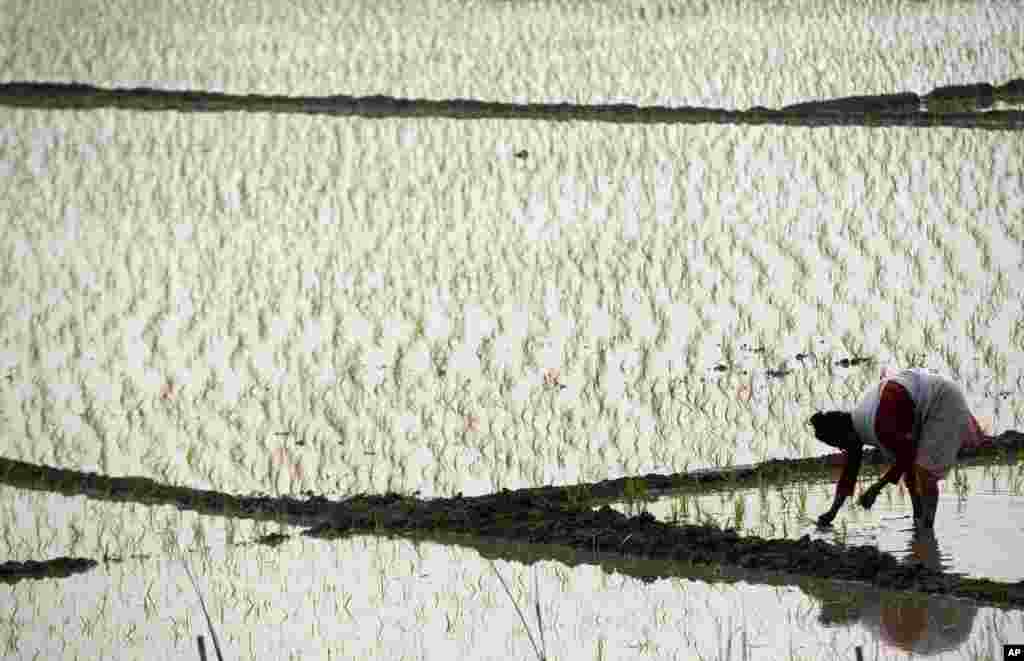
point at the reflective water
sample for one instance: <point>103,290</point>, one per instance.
<point>280,303</point>
<point>979,523</point>
<point>367,597</point>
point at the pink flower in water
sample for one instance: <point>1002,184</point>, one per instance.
<point>281,457</point>
<point>745,392</point>
<point>551,376</point>
<point>472,423</point>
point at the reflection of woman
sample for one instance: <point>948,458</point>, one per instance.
<point>924,625</point>
<point>925,549</point>
<point>919,420</point>
<point>920,624</point>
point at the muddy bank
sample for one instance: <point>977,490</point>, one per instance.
<point>944,106</point>
<point>12,572</point>
<point>564,517</point>
<point>522,516</point>
<point>315,509</point>
<point>775,472</point>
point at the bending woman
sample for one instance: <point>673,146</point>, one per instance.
<point>919,420</point>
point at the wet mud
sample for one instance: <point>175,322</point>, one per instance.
<point>944,106</point>
<point>570,517</point>
<point>545,517</point>
<point>12,572</point>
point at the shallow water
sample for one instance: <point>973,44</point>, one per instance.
<point>979,524</point>
<point>281,304</point>
<point>979,536</point>
<point>370,597</point>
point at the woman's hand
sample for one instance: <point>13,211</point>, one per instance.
<point>867,499</point>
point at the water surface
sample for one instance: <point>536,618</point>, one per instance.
<point>286,304</point>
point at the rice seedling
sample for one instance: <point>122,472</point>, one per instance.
<point>801,502</point>
<point>206,614</point>
<point>1016,482</point>
<point>960,483</point>
<point>578,495</point>
<point>541,651</point>
<point>842,534</point>
<point>739,512</point>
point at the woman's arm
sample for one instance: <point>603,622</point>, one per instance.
<point>847,481</point>
<point>894,425</point>
<point>904,467</point>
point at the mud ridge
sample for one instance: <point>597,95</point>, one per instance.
<point>774,471</point>
<point>13,572</point>
<point>565,516</point>
<point>944,106</point>
<point>520,516</point>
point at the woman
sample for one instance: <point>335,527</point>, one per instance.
<point>919,420</point>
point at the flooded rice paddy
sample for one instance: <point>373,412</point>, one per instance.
<point>846,594</point>
<point>373,597</point>
<point>979,527</point>
<point>418,388</point>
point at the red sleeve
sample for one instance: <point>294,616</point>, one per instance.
<point>894,427</point>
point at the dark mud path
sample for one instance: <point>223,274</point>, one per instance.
<point>518,517</point>
<point>952,105</point>
<point>556,517</point>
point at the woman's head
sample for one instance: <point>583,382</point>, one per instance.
<point>833,428</point>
